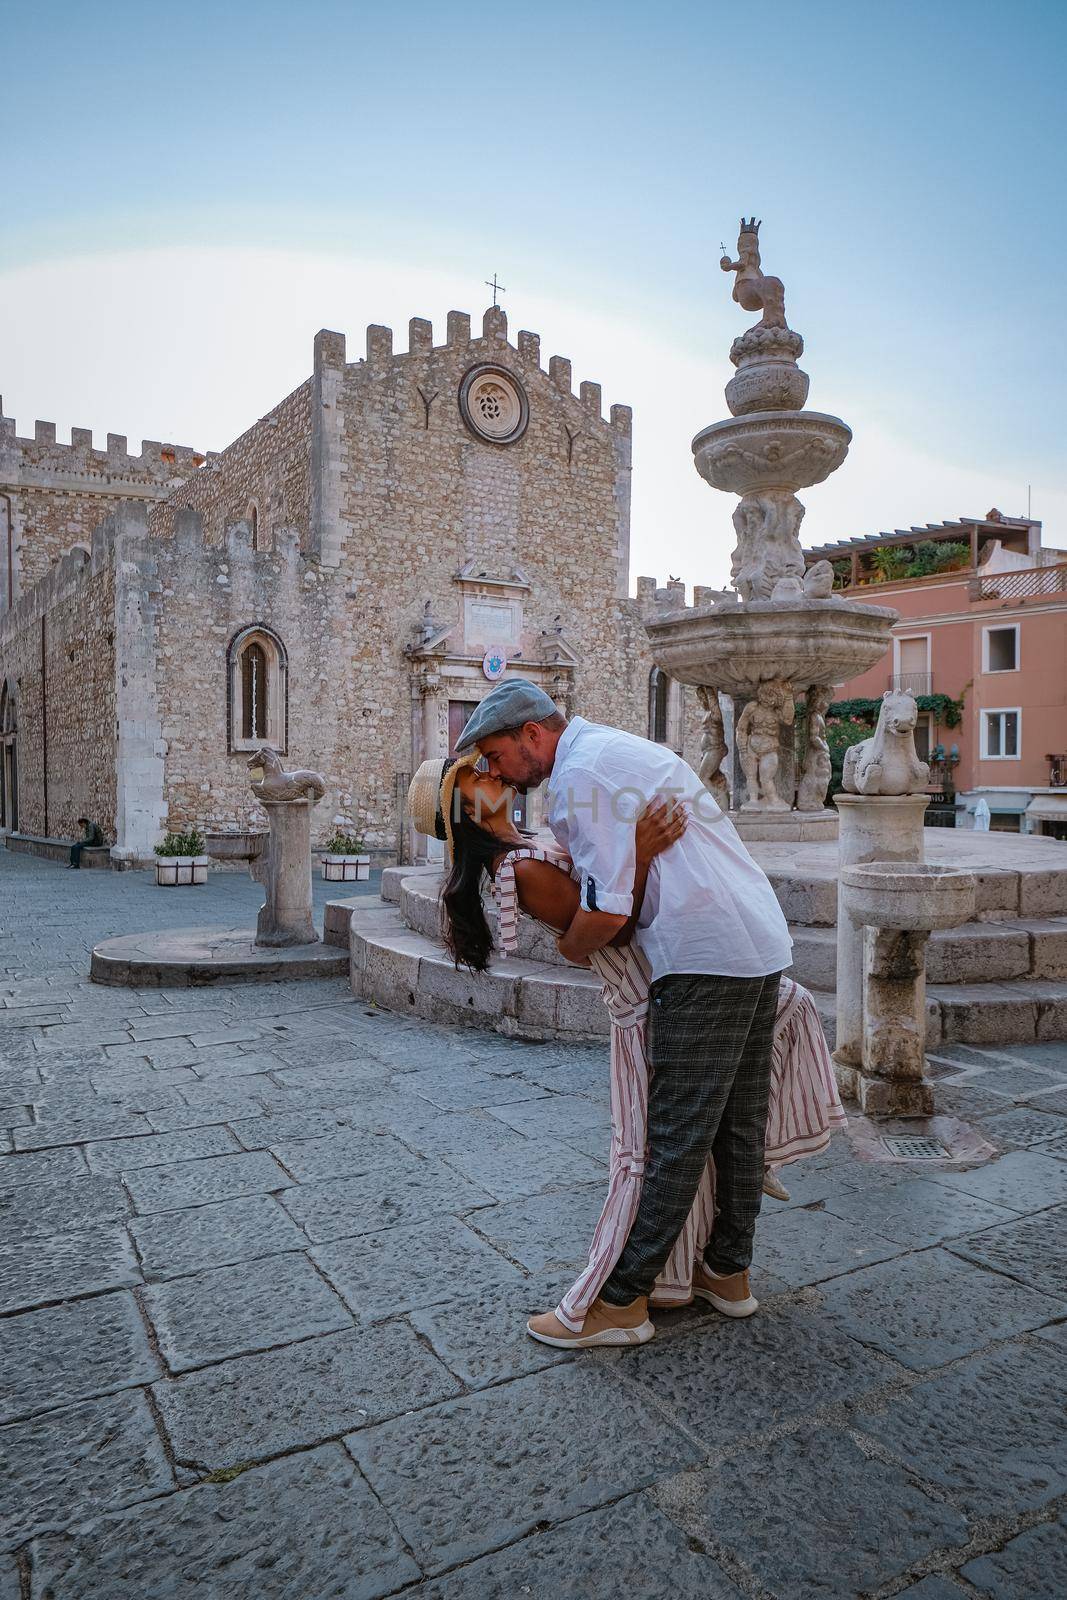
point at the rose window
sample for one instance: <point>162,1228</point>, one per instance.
<point>493,404</point>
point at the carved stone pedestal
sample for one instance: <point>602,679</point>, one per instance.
<point>284,870</point>
<point>888,909</point>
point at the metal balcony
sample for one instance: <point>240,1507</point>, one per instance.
<point>915,683</point>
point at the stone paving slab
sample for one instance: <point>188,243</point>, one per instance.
<point>1033,1565</point>
<point>392,1197</point>
<point>346,1154</point>
<point>116,1125</point>
<point>264,1131</point>
<point>547,1232</point>
<point>71,1352</point>
<point>78,1460</point>
<point>43,1166</point>
<point>115,1156</point>
<point>32,1210</point>
<point>790,1355</point>
<point>35,1272</point>
<point>1016,1461</point>
<point>1022,1181</point>
<point>173,1243</point>
<point>457,1090</point>
<point>472,1474</point>
<point>230,1311</point>
<point>197,1183</point>
<point>556,1116</point>
<point>481,1335</point>
<point>811,1514</point>
<point>525,1166</point>
<point>266,1405</point>
<point>1031,1249</point>
<point>401,1269</point>
<point>935,1588</point>
<point>630,1546</point>
<point>930,1308</point>
<point>807,1246</point>
<point>917,1212</point>
<point>1024,1125</point>
<point>243,1540</point>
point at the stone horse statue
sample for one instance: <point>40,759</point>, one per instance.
<point>277,784</point>
<point>887,762</point>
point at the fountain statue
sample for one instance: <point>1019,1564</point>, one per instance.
<point>781,635</point>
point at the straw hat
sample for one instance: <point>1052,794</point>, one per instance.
<point>430,795</point>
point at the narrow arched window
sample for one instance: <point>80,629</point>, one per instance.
<point>254,691</point>
<point>258,690</point>
<point>658,689</point>
<point>253,523</point>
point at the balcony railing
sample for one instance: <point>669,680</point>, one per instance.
<point>1021,585</point>
<point>912,682</point>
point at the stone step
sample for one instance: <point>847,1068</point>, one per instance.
<point>978,952</point>
<point>407,972</point>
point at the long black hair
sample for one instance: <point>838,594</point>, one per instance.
<point>463,923</point>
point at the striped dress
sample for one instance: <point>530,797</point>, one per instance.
<point>804,1104</point>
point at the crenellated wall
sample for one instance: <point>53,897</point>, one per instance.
<point>53,495</point>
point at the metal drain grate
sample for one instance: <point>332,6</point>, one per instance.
<point>913,1147</point>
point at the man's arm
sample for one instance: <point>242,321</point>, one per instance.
<point>589,931</point>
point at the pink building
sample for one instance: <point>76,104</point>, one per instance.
<point>983,620</point>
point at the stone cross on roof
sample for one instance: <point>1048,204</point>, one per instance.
<point>497,288</point>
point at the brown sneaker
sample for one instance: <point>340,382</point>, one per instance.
<point>728,1292</point>
<point>603,1324</point>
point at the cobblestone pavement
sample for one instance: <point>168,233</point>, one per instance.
<point>265,1258</point>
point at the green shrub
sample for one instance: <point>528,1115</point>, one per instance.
<point>344,844</point>
<point>181,844</point>
<point>841,736</point>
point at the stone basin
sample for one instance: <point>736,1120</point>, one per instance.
<point>910,896</point>
<point>736,647</point>
<point>771,450</point>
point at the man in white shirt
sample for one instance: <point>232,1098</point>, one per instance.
<point>717,942</point>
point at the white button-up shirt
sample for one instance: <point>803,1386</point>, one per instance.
<point>708,907</point>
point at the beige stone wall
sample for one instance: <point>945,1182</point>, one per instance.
<point>57,648</point>
<point>267,468</point>
<point>53,495</point>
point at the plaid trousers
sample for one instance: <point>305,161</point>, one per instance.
<point>709,1047</point>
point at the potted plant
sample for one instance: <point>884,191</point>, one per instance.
<point>344,860</point>
<point>180,860</point>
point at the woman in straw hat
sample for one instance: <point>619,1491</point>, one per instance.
<point>471,812</point>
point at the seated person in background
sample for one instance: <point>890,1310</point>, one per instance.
<point>91,835</point>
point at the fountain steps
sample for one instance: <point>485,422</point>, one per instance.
<point>406,970</point>
<point>977,952</point>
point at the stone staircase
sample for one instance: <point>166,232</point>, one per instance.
<point>1000,979</point>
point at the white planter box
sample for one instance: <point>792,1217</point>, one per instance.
<point>175,872</point>
<point>346,869</point>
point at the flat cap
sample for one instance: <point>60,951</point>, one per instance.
<point>509,705</point>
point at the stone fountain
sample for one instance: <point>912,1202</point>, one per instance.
<point>780,634</point>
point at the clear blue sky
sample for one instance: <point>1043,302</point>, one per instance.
<point>907,160</point>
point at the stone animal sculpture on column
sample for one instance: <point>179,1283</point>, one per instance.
<point>277,784</point>
<point>757,734</point>
<point>753,290</point>
<point>815,777</point>
<point>887,762</point>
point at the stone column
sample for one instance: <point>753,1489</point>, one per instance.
<point>284,870</point>
<point>894,1024</point>
<point>873,828</point>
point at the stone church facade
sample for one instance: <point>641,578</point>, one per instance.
<point>343,582</point>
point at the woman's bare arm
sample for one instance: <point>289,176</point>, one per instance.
<point>547,893</point>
